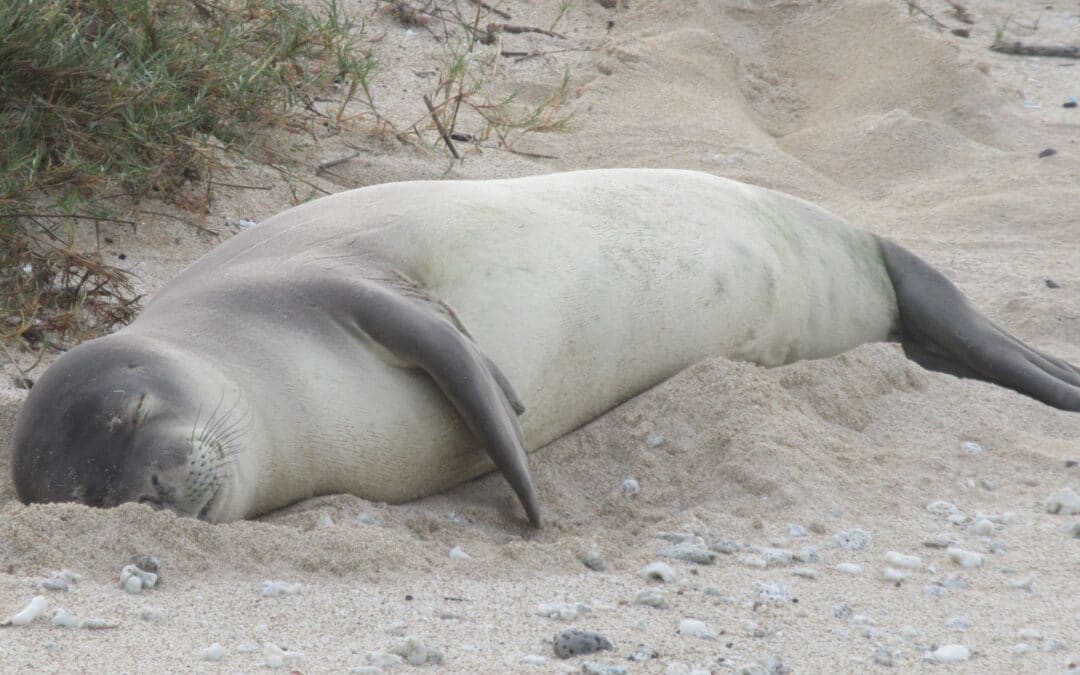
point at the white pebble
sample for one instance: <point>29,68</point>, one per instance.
<point>1064,502</point>
<point>909,633</point>
<point>134,579</point>
<point>957,519</point>
<point>910,562</point>
<point>652,597</point>
<point>960,623</point>
<point>247,648</point>
<point>696,628</point>
<point>630,488</point>
<point>561,610</point>
<point>849,568</point>
<point>964,558</point>
<point>32,611</point>
<point>658,571</point>
<point>941,540</point>
<point>1054,645</point>
<point>808,554</point>
<point>62,619</point>
<point>533,660</point>
<point>971,448</point>
<point>151,613</point>
<point>1020,649</point>
<point>654,440</point>
<point>1030,634</point>
<point>417,651</point>
<point>1024,583</point>
<point>943,509</point>
<point>214,652</point>
<point>61,581</point>
<point>777,556</point>
<point>949,654</point>
<point>863,620</point>
<point>458,553</point>
<point>277,589</point>
<point>796,530</point>
<point>894,575</point>
<point>804,572</point>
<point>771,592</point>
<point>981,527</point>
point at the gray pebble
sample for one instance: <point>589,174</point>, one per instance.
<point>654,441</point>
<point>652,597</point>
<point>577,642</point>
<point>796,530</point>
<point>658,571</point>
<point>1064,502</point>
<point>690,552</point>
<point>842,611</point>
<point>883,656</point>
<point>1074,530</point>
<point>725,546</point>
<point>642,654</point>
<point>594,561</point>
<point>147,563</point>
<point>853,540</point>
<point>960,623</point>
<point>631,488</point>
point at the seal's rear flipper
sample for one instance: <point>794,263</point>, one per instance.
<point>943,331</point>
<point>415,332</point>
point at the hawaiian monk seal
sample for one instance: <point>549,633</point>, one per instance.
<point>374,341</point>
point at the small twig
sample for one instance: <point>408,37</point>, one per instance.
<point>439,126</point>
<point>494,29</point>
<point>207,230</point>
<point>69,215</point>
<point>493,10</point>
<point>242,187</point>
<point>911,5</point>
<point>1022,49</point>
<point>331,163</point>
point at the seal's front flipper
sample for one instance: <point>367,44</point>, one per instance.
<point>949,334</point>
<point>411,329</point>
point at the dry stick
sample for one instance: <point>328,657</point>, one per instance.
<point>493,10</point>
<point>330,163</point>
<point>243,187</point>
<point>69,215</point>
<point>911,4</point>
<point>207,230</point>
<point>1021,49</point>
<point>493,28</point>
<point>439,126</point>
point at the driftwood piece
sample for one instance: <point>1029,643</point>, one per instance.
<point>1025,49</point>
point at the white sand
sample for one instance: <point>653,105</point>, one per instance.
<point>909,131</point>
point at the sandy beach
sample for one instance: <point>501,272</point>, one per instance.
<point>771,478</point>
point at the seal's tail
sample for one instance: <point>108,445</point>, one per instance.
<point>943,331</point>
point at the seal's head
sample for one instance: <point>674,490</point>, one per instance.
<point>120,420</point>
